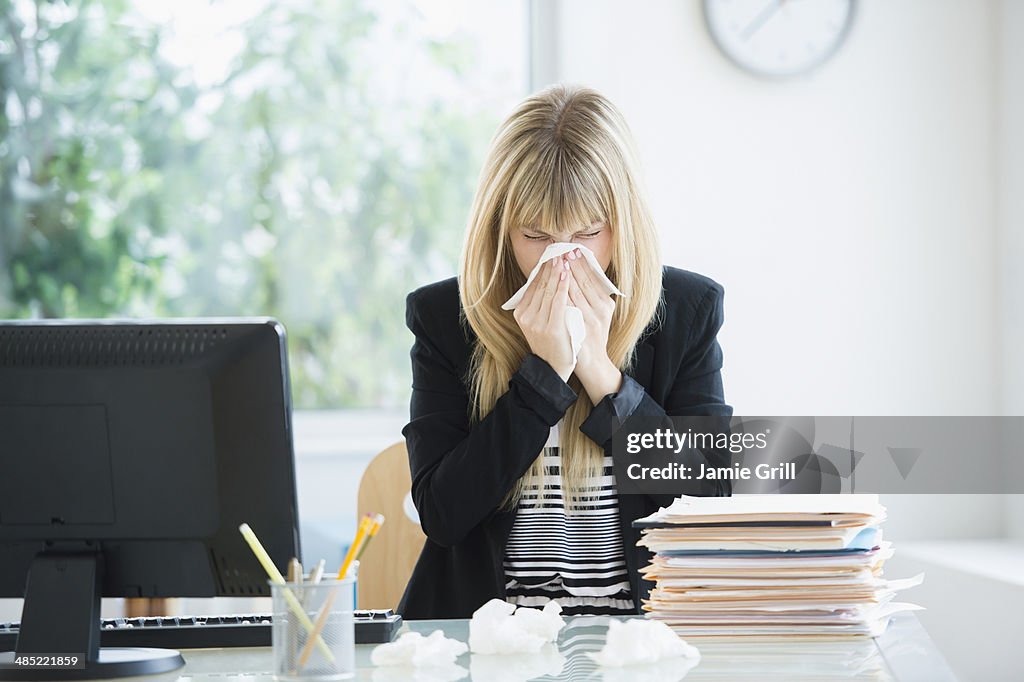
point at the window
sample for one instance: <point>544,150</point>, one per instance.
<point>311,160</point>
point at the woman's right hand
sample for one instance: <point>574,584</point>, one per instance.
<point>541,316</point>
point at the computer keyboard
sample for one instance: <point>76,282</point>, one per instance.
<point>203,632</point>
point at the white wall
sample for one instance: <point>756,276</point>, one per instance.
<point>1010,202</point>
<point>849,214</point>
<point>1014,516</point>
<point>1010,222</point>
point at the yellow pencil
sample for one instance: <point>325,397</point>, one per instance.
<point>276,577</point>
<point>378,521</point>
<point>364,526</point>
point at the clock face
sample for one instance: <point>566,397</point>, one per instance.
<point>778,37</point>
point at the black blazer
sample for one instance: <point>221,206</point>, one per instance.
<point>460,475</point>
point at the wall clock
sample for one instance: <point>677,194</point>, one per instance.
<point>779,38</point>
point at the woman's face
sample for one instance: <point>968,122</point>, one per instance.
<point>528,243</point>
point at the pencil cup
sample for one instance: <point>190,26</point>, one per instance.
<point>303,609</point>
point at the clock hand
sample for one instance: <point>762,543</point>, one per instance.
<point>761,19</point>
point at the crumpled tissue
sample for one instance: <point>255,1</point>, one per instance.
<point>639,641</point>
<point>413,649</point>
<point>573,316</point>
<point>498,627</point>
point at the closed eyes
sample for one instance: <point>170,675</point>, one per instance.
<point>589,235</point>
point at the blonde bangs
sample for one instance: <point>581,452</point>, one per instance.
<point>558,192</point>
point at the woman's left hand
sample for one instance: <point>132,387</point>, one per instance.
<point>596,371</point>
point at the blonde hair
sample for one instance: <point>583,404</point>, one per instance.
<point>564,158</point>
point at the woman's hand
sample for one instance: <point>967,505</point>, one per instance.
<point>596,371</point>
<point>541,316</point>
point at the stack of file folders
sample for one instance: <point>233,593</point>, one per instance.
<point>768,567</point>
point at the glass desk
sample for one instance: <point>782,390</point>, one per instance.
<point>903,653</point>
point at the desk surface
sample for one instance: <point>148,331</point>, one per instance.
<point>903,653</point>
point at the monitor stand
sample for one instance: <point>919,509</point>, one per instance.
<point>60,621</point>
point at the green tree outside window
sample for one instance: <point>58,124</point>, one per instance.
<point>322,175</point>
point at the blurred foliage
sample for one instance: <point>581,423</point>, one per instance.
<point>303,183</point>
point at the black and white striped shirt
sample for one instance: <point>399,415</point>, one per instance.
<point>575,558</point>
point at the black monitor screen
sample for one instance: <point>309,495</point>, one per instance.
<point>153,441</point>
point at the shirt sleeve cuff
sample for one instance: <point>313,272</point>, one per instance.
<point>543,387</point>
<point>607,416</point>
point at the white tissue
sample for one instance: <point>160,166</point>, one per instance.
<point>498,627</point>
<point>573,316</point>
<point>413,649</point>
<point>638,641</point>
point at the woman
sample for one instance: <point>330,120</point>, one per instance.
<point>513,508</point>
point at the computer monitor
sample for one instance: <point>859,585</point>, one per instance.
<point>130,453</point>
